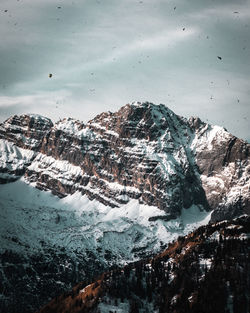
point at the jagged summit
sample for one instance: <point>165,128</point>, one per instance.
<point>127,183</point>
<point>143,151</point>
<point>26,130</point>
<point>138,120</point>
<point>28,120</point>
<point>137,111</point>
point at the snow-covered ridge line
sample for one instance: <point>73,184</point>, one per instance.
<point>14,158</point>
<point>207,135</point>
<point>74,128</point>
<point>166,160</point>
<point>49,165</point>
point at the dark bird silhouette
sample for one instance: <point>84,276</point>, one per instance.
<point>183,28</point>
<point>50,75</point>
<point>220,58</point>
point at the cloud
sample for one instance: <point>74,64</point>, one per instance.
<point>103,54</point>
<point>227,11</point>
<point>43,104</point>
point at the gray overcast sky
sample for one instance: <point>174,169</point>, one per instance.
<point>106,53</point>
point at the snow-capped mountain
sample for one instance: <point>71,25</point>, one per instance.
<point>143,151</point>
<point>126,184</point>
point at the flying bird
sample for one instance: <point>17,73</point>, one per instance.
<point>220,58</point>
<point>50,75</point>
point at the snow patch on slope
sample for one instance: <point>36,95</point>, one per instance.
<point>29,217</point>
<point>194,217</point>
<point>56,169</point>
<point>122,307</point>
<point>75,128</point>
<point>207,135</point>
<point>12,157</point>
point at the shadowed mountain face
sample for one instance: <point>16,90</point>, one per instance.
<point>126,184</point>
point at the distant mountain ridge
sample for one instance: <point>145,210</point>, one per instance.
<point>143,151</point>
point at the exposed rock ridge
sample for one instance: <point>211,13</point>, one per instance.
<point>26,131</point>
<point>20,139</point>
<point>143,151</point>
<point>223,162</point>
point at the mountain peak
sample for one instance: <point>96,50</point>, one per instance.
<point>143,151</point>
<point>141,120</point>
<point>151,173</point>
<point>29,120</point>
<point>26,130</point>
<point>156,111</point>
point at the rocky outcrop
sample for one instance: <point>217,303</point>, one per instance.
<point>26,131</point>
<point>223,162</point>
<point>20,137</point>
<point>143,151</point>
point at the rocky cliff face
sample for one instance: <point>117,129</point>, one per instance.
<point>143,152</point>
<point>21,137</point>
<point>223,162</point>
<point>152,175</point>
